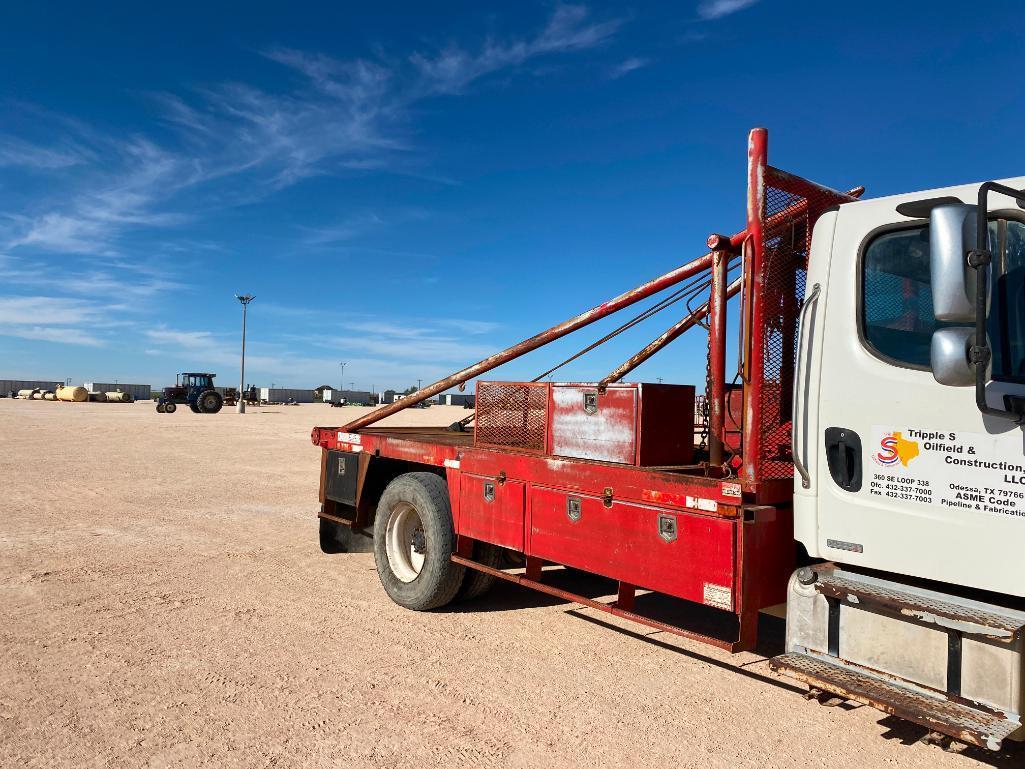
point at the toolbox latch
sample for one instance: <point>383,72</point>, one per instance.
<point>573,508</point>
<point>667,527</point>
<point>489,491</point>
<point>606,497</point>
<point>591,403</point>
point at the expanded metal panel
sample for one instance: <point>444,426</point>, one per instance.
<point>787,224</point>
<point>512,415</point>
<point>975,725</point>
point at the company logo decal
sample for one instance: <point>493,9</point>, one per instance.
<point>894,448</point>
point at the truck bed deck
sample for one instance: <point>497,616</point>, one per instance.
<point>439,435</point>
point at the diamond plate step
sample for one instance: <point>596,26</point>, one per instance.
<point>979,727</point>
<point>972,617</point>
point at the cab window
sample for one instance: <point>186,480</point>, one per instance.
<point>897,320</point>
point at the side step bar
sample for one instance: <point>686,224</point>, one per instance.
<point>963,616</point>
<point>970,724</point>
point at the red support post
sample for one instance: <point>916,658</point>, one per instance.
<point>717,354</point>
<point>753,344</point>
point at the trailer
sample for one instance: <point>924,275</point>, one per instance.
<point>863,464</point>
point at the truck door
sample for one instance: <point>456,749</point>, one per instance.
<point>906,475</point>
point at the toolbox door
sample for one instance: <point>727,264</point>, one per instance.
<point>587,424</point>
<point>680,554</point>
<point>491,511</point>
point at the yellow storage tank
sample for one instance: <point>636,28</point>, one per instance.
<point>119,397</point>
<point>72,394</point>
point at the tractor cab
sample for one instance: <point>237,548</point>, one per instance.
<point>191,380</point>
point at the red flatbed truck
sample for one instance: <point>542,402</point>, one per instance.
<point>605,477</point>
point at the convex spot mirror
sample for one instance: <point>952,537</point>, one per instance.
<point>949,356</point>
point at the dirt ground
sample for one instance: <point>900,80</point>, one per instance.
<point>165,603</point>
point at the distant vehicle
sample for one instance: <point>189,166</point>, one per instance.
<point>194,389</point>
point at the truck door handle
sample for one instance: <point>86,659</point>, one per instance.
<point>799,464</point>
<point>843,455</point>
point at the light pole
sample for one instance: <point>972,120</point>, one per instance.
<point>245,299</point>
<point>341,384</point>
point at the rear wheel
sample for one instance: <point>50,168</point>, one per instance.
<point>414,539</point>
<point>210,402</point>
<point>477,583</point>
<point>195,409</point>
<point>161,408</point>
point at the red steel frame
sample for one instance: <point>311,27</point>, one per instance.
<point>748,515</point>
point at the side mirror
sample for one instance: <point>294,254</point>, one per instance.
<point>952,233</point>
<point>949,356</point>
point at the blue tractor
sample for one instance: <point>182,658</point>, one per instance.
<point>193,389</point>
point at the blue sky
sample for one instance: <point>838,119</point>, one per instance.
<point>409,187</point>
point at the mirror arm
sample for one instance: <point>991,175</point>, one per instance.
<point>979,259</point>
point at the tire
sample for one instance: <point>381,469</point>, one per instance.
<point>195,409</point>
<point>414,539</point>
<point>477,583</point>
<point>170,408</point>
<point>160,408</point>
<point>209,402</point>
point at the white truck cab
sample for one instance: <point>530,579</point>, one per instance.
<point>910,453</point>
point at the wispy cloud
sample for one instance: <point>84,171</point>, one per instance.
<point>569,29</point>
<point>50,319</point>
<point>109,204</point>
<point>343,231</point>
<point>627,66</point>
<point>18,152</point>
<point>338,117</point>
<point>716,9</point>
<point>73,336</point>
<point>48,310</point>
<point>229,143</point>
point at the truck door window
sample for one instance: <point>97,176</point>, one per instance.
<point>897,320</point>
<point>897,317</point>
<point>1007,311</point>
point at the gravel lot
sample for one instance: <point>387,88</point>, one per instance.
<point>165,603</point>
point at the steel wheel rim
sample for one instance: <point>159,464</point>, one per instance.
<point>405,542</point>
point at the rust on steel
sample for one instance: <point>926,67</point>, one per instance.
<point>673,332</point>
<point>556,332</point>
